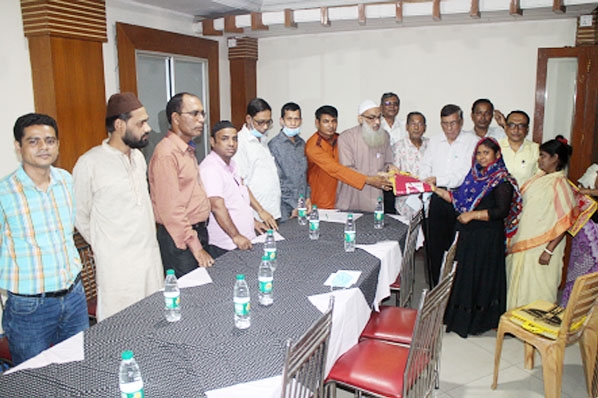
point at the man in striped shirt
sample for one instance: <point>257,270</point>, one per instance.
<point>40,267</point>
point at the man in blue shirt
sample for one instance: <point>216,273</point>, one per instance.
<point>288,149</point>
<point>39,264</point>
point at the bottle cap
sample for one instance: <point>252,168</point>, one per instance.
<point>314,207</point>
<point>126,355</point>
<point>350,216</point>
<point>301,195</point>
<point>269,232</point>
<point>170,272</point>
<point>240,277</point>
<point>379,198</point>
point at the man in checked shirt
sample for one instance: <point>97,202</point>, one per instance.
<point>39,264</point>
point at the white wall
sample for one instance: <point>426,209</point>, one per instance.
<point>15,80</point>
<point>427,67</point>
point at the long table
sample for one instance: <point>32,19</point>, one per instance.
<point>204,351</point>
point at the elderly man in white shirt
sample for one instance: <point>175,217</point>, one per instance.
<point>445,164</point>
<point>390,104</point>
<point>255,163</point>
<point>482,112</point>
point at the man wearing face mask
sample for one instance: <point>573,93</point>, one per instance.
<point>255,163</point>
<point>288,149</point>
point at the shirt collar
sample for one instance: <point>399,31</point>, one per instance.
<point>22,176</point>
<point>179,143</point>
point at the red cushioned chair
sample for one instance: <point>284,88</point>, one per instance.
<point>395,324</point>
<point>384,369</point>
<point>403,286</point>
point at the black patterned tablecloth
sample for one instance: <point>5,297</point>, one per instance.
<point>204,351</point>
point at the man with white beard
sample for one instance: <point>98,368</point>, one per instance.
<point>365,148</point>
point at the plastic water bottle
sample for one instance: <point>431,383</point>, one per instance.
<point>350,234</point>
<point>301,210</point>
<point>172,297</point>
<point>130,381</point>
<point>242,303</point>
<point>270,249</point>
<point>379,214</point>
<point>265,278</point>
<point>314,223</point>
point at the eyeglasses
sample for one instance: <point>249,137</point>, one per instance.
<point>371,118</point>
<point>262,123</point>
<point>450,124</point>
<point>390,103</point>
<point>36,141</point>
<point>194,113</point>
<point>519,126</point>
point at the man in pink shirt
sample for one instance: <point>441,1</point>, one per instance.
<point>231,223</point>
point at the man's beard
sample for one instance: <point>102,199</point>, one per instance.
<point>373,138</point>
<point>134,143</point>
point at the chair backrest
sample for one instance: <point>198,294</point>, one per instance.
<point>408,264</point>
<point>304,366</point>
<point>449,258</point>
<point>88,266</point>
<point>420,373</point>
<point>582,302</point>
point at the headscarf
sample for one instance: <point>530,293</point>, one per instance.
<point>482,180</point>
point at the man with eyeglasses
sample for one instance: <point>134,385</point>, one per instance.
<point>365,148</point>
<point>520,155</point>
<point>255,163</point>
<point>288,149</point>
<point>40,268</point>
<point>390,104</point>
<point>445,164</point>
<point>180,203</point>
<point>482,113</point>
<point>114,210</point>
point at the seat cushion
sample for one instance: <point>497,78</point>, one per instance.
<point>374,366</point>
<point>396,285</point>
<point>4,351</point>
<point>394,324</point>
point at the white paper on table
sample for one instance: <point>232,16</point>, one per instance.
<point>262,237</point>
<point>197,277</point>
<point>351,314</point>
<point>269,387</point>
<point>336,216</point>
<point>343,278</point>
<point>69,350</point>
<point>389,253</point>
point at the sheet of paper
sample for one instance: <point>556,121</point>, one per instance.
<point>343,278</point>
<point>336,216</point>
<point>197,277</point>
<point>262,238</point>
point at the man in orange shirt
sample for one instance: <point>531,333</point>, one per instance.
<point>323,167</point>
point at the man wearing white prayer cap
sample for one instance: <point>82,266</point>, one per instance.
<point>365,148</point>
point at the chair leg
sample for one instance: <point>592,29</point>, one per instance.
<point>528,356</point>
<point>588,345</point>
<point>500,335</point>
<point>552,370</point>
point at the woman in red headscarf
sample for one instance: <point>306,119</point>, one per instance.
<point>488,203</point>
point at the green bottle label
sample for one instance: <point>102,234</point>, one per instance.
<point>266,285</point>
<point>242,306</point>
<point>173,302</point>
<point>302,212</point>
<point>350,236</point>
<point>314,225</point>
<point>379,215</point>
<point>271,254</point>
<point>136,394</point>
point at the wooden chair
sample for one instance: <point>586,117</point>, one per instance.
<point>383,369</point>
<point>305,362</point>
<point>88,275</point>
<point>582,304</point>
<point>403,286</point>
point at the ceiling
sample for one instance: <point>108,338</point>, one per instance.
<point>343,13</point>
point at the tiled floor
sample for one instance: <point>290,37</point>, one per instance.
<point>467,365</point>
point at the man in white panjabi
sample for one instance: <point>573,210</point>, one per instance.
<point>114,211</point>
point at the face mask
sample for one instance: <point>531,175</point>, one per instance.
<point>291,132</point>
<point>255,133</point>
